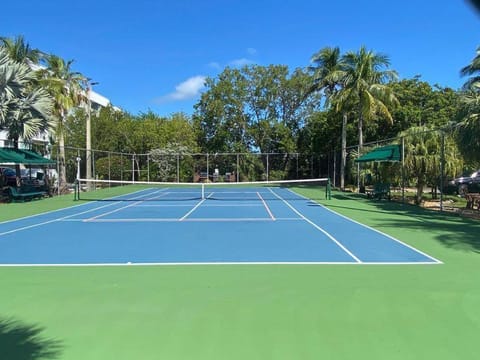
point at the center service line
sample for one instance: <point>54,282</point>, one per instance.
<point>266,206</point>
<point>318,227</point>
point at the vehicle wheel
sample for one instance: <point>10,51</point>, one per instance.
<point>462,189</point>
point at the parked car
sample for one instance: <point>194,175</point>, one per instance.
<point>467,183</point>
<point>9,176</point>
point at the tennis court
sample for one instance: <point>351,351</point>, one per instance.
<point>221,225</point>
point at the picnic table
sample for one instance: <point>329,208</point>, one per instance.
<point>473,201</point>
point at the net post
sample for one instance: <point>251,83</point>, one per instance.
<point>328,190</point>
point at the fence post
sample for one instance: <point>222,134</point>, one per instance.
<point>442,168</point>
<point>238,167</point>
<point>403,169</point>
<point>328,190</point>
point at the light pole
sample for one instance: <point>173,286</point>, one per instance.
<point>88,135</point>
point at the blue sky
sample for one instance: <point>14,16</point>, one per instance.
<point>154,55</point>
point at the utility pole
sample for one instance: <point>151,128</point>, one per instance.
<point>88,135</point>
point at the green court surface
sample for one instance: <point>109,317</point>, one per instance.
<point>255,311</point>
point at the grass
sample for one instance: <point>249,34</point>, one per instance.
<point>256,312</point>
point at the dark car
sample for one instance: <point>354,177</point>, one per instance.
<point>467,183</point>
<point>8,175</point>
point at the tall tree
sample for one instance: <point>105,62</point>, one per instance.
<point>258,108</point>
<point>469,129</point>
<point>423,157</point>
<point>20,51</point>
<point>65,86</point>
<point>25,110</point>
<point>329,76</point>
<point>327,71</point>
<point>365,83</point>
<point>364,78</point>
<point>472,70</point>
<point>219,119</point>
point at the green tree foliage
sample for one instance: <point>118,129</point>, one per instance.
<point>25,110</point>
<point>65,87</point>
<point>328,73</point>
<point>364,83</point>
<point>423,149</point>
<point>171,164</point>
<point>255,107</point>
<point>115,132</point>
<point>20,51</point>
<point>420,104</point>
<point>469,129</point>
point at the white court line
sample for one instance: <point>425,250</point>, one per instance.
<point>54,220</point>
<point>62,218</point>
<point>65,208</point>
<point>266,206</point>
<point>131,205</point>
<point>373,229</point>
<point>111,212</point>
<point>223,263</point>
<point>195,208</point>
<point>120,220</point>
<point>206,205</point>
<point>317,227</point>
<point>243,204</point>
<point>164,205</point>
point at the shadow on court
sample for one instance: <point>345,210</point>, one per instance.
<point>20,341</point>
<point>451,230</point>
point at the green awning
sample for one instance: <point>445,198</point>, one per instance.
<point>384,153</point>
<point>10,156</point>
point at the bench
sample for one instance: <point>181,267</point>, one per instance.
<point>380,191</point>
<point>25,193</point>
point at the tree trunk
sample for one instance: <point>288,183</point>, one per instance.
<point>360,148</point>
<point>360,132</point>
<point>419,194</point>
<point>62,176</point>
<point>344,152</point>
<point>18,175</point>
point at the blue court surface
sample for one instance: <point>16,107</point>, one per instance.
<point>171,226</point>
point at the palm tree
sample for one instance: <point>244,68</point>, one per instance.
<point>365,81</point>
<point>364,77</point>
<point>472,69</point>
<point>423,156</point>
<point>25,110</point>
<point>328,75</point>
<point>65,86</point>
<point>468,133</point>
<point>327,71</point>
<point>20,51</point>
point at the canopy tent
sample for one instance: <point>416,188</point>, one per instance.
<point>384,153</point>
<point>11,156</point>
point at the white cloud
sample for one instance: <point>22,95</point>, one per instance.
<point>241,62</point>
<point>251,51</point>
<point>215,65</point>
<point>187,89</point>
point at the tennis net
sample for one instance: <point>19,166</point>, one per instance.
<point>111,190</point>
